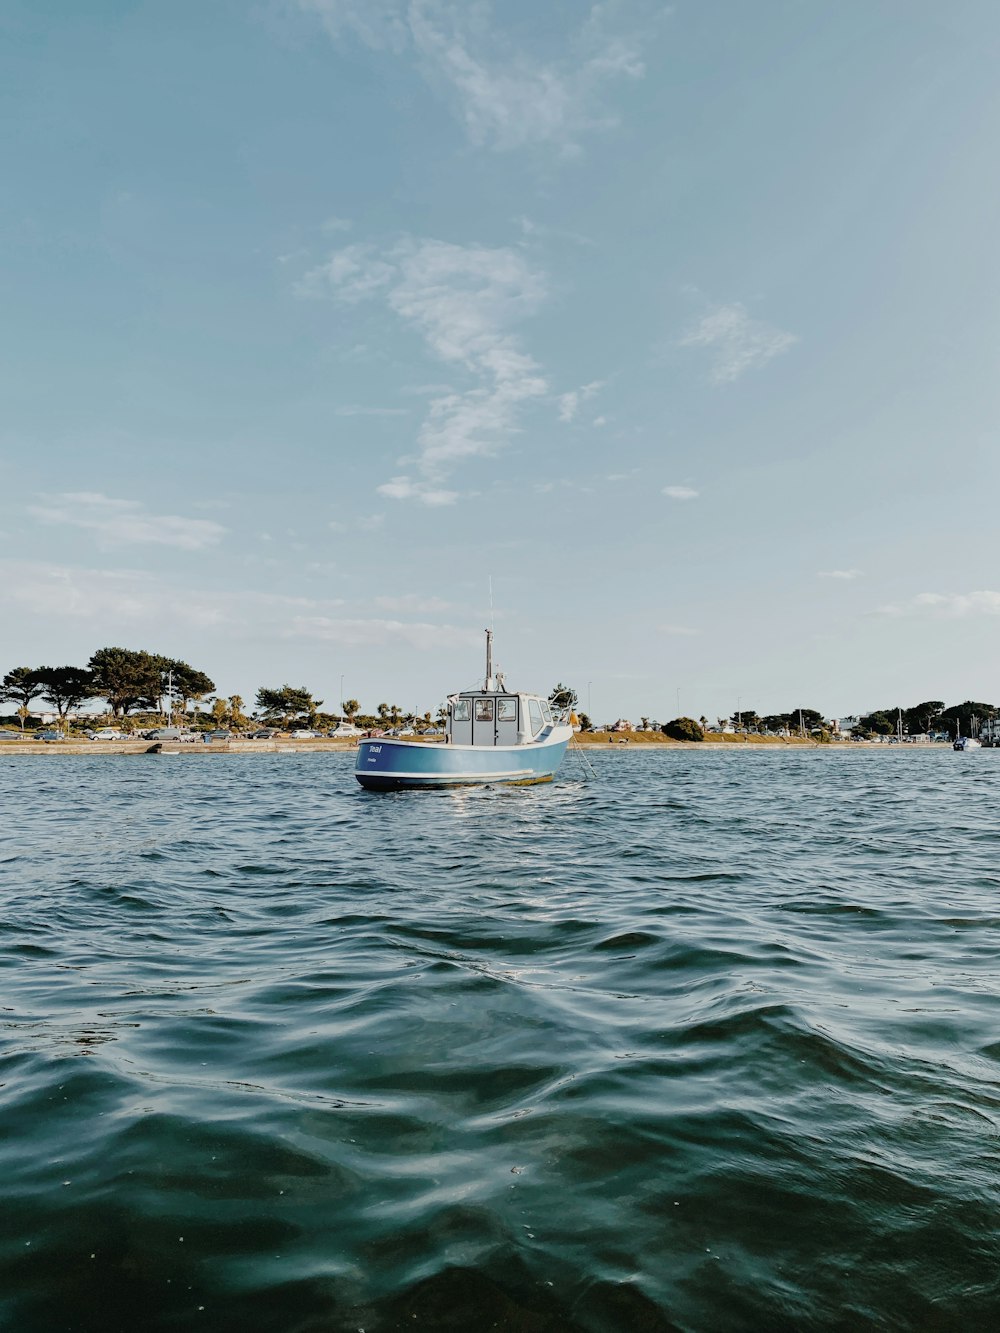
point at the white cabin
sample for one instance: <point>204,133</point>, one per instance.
<point>493,715</point>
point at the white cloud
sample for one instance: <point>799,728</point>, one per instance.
<point>569,403</point>
<point>380,24</point>
<point>335,224</point>
<point>680,492</point>
<point>353,272</point>
<point>680,630</point>
<point>737,342</point>
<point>504,98</point>
<point>126,522</point>
<point>463,301</point>
<point>951,606</point>
<point>406,488</point>
<point>840,573</point>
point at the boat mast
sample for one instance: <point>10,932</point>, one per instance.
<point>489,662</point>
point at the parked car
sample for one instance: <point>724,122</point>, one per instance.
<point>263,734</point>
<point>344,730</point>
<point>107,734</point>
<point>166,734</point>
<point>304,734</point>
<point>49,736</point>
<point>220,735</point>
<point>10,736</point>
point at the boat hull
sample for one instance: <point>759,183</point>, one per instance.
<point>392,765</point>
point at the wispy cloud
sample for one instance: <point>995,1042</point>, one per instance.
<point>684,631</point>
<point>406,488</point>
<point>412,603</point>
<point>120,601</point>
<point>569,403</point>
<point>505,98</point>
<point>951,606</point>
<point>126,522</point>
<point>363,523</point>
<point>354,272</point>
<point>680,492</point>
<point>358,633</point>
<point>135,598</point>
<point>736,342</point>
<point>463,301</point>
<point>841,573</point>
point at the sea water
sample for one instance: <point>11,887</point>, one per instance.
<point>709,1040</point>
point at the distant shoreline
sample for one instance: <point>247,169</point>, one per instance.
<point>635,743</point>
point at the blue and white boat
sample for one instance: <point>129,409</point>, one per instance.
<point>966,743</point>
<point>492,735</point>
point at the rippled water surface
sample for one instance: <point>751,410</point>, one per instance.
<point>709,1041</point>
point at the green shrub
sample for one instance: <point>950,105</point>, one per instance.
<point>683,729</point>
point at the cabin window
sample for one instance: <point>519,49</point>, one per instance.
<point>460,712</point>
<point>484,710</point>
<point>506,710</point>
<point>535,713</point>
<point>546,712</point>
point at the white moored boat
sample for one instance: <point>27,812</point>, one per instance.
<point>493,735</point>
<point>966,743</point>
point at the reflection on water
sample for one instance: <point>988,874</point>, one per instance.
<point>707,1042</point>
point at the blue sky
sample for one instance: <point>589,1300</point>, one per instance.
<point>681,322</point>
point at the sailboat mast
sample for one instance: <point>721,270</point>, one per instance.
<point>489,660</point>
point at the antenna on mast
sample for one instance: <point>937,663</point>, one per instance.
<point>490,684</point>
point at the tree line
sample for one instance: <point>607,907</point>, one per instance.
<point>963,718</point>
<point>127,680</point>
<point>134,682</point>
<point>918,720</point>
